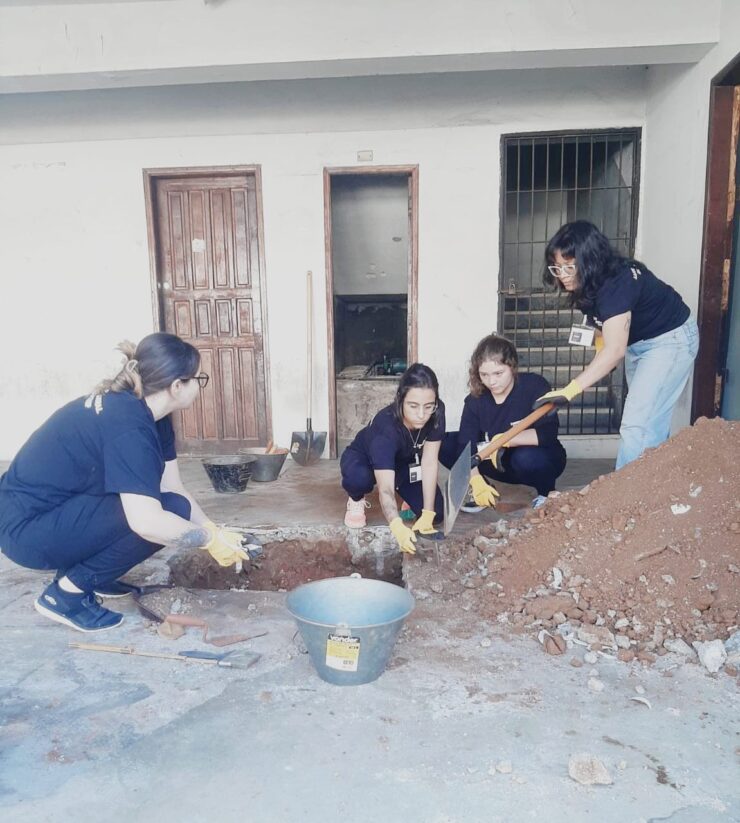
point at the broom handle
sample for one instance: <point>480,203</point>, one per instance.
<point>99,647</point>
<point>528,421</point>
<point>309,346</point>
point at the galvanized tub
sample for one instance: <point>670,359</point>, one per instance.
<point>349,625</point>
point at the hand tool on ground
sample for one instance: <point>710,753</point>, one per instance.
<point>230,660</point>
<point>456,485</point>
<point>233,660</point>
<point>307,447</point>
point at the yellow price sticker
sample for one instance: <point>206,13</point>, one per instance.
<point>342,652</point>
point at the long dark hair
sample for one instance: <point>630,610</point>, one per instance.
<point>154,364</point>
<point>491,347</point>
<point>595,258</point>
<point>416,376</point>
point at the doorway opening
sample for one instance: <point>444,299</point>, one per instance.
<point>371,253</point>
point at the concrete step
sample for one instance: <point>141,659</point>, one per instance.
<point>545,319</point>
<point>534,358</point>
<point>536,302</point>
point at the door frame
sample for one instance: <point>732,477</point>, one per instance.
<point>716,255</point>
<point>412,174</point>
<point>150,178</point>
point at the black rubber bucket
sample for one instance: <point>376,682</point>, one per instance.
<point>229,474</point>
<point>266,467</point>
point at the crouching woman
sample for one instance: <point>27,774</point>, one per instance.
<point>97,490</point>
<point>399,451</point>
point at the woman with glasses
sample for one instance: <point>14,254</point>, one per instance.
<point>399,451</point>
<point>97,490</point>
<point>499,397</point>
<point>637,318</point>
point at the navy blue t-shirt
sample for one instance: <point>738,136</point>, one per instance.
<point>482,417</point>
<point>102,444</point>
<point>387,444</point>
<point>656,307</point>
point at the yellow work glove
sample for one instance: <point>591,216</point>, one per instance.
<point>598,342</point>
<point>483,494</point>
<point>224,546</point>
<point>425,524</point>
<point>559,396</point>
<point>496,455</point>
<point>404,536</point>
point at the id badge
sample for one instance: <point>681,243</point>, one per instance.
<point>415,470</point>
<point>581,335</point>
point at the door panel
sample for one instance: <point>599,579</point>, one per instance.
<point>208,266</point>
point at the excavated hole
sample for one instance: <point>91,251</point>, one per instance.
<point>286,564</point>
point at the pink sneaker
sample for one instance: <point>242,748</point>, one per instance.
<point>355,516</point>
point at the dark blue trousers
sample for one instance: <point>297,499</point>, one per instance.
<point>87,538</point>
<point>358,479</point>
<point>537,466</point>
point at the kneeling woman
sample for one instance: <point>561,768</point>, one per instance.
<point>499,397</point>
<point>96,489</point>
<point>399,450</point>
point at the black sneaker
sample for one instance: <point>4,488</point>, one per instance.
<point>116,589</point>
<point>78,611</point>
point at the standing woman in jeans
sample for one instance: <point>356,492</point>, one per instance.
<point>638,318</point>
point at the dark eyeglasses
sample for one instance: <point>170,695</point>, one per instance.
<point>202,379</point>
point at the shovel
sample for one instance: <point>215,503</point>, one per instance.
<point>456,486</point>
<point>307,447</point>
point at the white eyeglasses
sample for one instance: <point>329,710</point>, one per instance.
<point>568,270</point>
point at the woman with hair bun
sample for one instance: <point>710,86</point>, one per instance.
<point>97,490</point>
<point>399,451</point>
<point>499,397</point>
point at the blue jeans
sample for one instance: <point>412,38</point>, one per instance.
<point>657,371</point>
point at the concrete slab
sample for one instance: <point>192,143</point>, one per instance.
<point>121,738</point>
<point>467,724</point>
<point>313,496</point>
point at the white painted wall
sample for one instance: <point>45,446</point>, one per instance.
<point>74,260</point>
<point>675,163</point>
<point>54,46</point>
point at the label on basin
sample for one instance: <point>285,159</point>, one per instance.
<point>342,652</point>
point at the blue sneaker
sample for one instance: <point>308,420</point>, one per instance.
<point>78,611</point>
<point>116,589</point>
<point>539,501</point>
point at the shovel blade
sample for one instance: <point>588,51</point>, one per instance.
<point>307,447</point>
<point>456,487</point>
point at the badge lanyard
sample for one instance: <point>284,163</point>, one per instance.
<point>415,467</point>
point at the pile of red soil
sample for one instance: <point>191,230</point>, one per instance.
<point>645,554</point>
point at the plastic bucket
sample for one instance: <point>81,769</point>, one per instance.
<point>349,625</point>
<point>229,474</point>
<point>266,467</point>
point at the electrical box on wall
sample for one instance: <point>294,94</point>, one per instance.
<point>365,156</point>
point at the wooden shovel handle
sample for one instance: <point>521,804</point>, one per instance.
<point>504,438</point>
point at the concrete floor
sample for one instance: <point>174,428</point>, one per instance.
<point>305,496</point>
<point>114,737</point>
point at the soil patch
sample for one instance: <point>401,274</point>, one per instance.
<point>641,555</point>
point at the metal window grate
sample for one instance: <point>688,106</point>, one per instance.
<point>549,180</point>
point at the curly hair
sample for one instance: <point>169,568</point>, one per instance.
<point>492,347</point>
<point>154,364</point>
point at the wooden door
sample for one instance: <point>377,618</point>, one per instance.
<point>206,238</point>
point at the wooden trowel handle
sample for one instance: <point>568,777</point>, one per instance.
<point>504,438</point>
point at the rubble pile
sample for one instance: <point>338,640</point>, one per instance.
<point>637,563</point>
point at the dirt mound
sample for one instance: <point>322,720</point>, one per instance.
<point>646,554</point>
